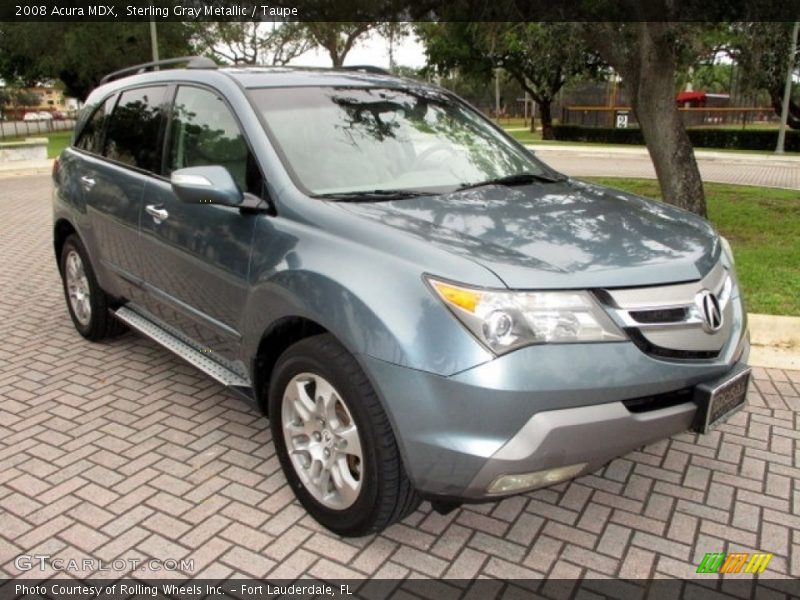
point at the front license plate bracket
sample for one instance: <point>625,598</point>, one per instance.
<point>719,400</point>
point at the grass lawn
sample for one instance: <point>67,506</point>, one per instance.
<point>56,141</point>
<point>763,227</point>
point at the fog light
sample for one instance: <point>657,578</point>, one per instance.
<point>526,481</point>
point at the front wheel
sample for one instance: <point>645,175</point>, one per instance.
<point>334,441</point>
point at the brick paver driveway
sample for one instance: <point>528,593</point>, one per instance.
<point>119,450</point>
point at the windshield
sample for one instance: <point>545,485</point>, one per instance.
<point>339,140</point>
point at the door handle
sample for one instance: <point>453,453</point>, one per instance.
<point>158,214</point>
<point>88,182</point>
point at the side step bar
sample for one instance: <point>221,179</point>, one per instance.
<point>195,358</point>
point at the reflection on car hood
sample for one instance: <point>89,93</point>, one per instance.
<point>563,235</point>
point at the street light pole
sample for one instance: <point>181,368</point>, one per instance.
<point>154,40</point>
<point>787,92</point>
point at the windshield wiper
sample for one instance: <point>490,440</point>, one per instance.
<point>366,195</point>
<point>512,180</point>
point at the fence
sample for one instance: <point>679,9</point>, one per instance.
<point>14,129</point>
<point>623,116</point>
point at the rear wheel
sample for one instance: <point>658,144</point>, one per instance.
<point>87,303</point>
<point>334,441</point>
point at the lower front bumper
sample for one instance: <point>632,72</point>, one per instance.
<point>532,410</point>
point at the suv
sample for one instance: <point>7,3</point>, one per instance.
<point>423,309</point>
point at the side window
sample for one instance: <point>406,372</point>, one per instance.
<point>91,137</point>
<point>204,132</point>
<point>132,136</point>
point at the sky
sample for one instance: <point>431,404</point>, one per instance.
<point>371,51</point>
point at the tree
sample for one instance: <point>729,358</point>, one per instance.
<point>647,56</point>
<point>243,42</point>
<point>393,32</point>
<point>540,57</point>
<point>337,38</point>
<point>73,55</point>
<point>762,51</point>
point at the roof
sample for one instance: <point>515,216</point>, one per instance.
<point>257,77</point>
<point>689,96</point>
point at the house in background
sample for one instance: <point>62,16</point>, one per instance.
<point>39,99</point>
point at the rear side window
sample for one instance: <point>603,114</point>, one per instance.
<point>91,138</point>
<point>204,132</point>
<point>133,128</point>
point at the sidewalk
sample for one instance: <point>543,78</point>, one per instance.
<point>604,151</point>
<point>19,168</point>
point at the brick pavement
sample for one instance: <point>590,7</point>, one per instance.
<point>119,450</point>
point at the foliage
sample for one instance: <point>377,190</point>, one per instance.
<point>81,53</point>
<point>244,42</point>
<point>15,96</point>
<point>648,56</point>
<point>337,38</point>
<point>739,139</point>
<point>762,50</point>
<point>541,57</point>
<point>763,227</point>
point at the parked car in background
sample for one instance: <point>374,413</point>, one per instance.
<point>422,307</point>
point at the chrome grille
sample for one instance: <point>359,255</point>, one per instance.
<point>669,321</point>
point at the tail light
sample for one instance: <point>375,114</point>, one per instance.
<point>55,169</point>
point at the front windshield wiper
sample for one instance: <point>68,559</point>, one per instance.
<point>366,195</point>
<point>512,180</point>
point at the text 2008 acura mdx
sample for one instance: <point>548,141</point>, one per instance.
<point>424,309</point>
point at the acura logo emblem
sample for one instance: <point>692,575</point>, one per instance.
<point>710,312</point>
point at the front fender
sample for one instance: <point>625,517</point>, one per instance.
<point>374,302</point>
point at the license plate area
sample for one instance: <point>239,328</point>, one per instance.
<point>718,400</point>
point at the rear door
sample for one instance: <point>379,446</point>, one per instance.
<point>113,180</point>
<point>197,256</point>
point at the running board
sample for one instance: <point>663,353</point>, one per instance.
<point>194,357</point>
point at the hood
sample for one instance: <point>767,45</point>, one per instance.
<point>569,234</point>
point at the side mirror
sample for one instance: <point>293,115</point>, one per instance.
<point>206,185</point>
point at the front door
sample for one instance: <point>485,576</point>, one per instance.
<point>196,256</point>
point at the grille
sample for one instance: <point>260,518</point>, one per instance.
<point>646,346</point>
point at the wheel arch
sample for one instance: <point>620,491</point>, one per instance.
<point>62,229</point>
<point>279,336</point>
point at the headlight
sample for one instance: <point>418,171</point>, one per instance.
<point>505,320</point>
<point>727,250</point>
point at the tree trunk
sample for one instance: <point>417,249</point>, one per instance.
<point>546,116</point>
<point>336,59</point>
<point>663,131</point>
<point>793,118</point>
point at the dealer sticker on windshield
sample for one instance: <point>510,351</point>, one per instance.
<point>718,401</point>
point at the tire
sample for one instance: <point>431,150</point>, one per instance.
<point>87,303</point>
<point>321,367</point>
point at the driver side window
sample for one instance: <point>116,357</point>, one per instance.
<point>204,132</point>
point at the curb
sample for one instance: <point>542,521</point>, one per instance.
<point>21,168</point>
<point>775,341</point>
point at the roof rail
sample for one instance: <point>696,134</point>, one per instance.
<point>367,69</point>
<point>192,62</point>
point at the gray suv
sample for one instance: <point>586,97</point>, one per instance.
<point>423,309</point>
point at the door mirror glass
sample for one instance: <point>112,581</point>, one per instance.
<point>210,184</point>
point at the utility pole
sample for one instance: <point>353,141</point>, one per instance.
<point>154,41</point>
<point>497,94</point>
<point>787,92</point>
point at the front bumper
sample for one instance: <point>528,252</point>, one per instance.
<point>534,409</point>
